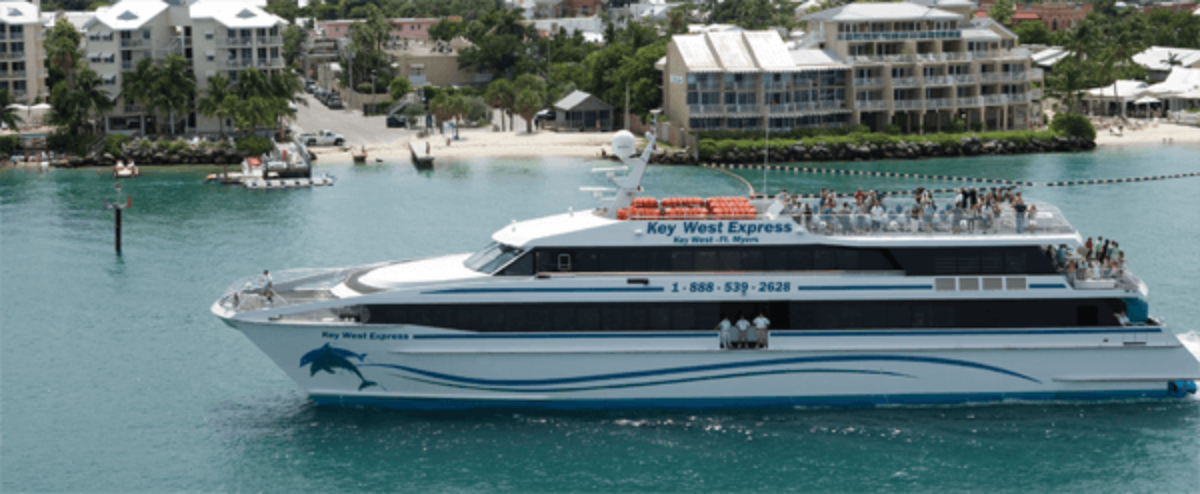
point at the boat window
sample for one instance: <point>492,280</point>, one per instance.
<point>492,257</point>
<point>793,315</point>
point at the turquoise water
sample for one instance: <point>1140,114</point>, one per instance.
<point>116,378</point>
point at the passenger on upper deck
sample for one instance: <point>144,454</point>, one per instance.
<point>725,329</point>
<point>761,324</point>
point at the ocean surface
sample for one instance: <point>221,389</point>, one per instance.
<point>114,376</point>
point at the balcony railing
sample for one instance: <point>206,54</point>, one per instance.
<point>938,80</point>
<point>870,105</point>
<point>126,64</point>
<point>19,93</point>
<point>3,36</point>
<point>900,35</point>
<point>1035,93</point>
<point>865,82</point>
<point>740,86</point>
<point>774,86</point>
<point>897,58</point>
<point>271,40</point>
<point>936,103</point>
<point>3,74</point>
<point>1037,74</point>
<point>127,109</point>
<point>908,104</point>
<point>1018,98</point>
<point>131,42</point>
<point>5,55</point>
<point>705,86</point>
<point>995,99</point>
<point>697,109</point>
<point>963,78</point>
<point>1004,76</point>
<point>743,109</point>
<point>20,74</point>
<point>235,41</point>
<point>906,81</point>
<point>969,101</point>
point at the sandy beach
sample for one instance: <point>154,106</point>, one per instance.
<point>1149,134</point>
<point>486,143</point>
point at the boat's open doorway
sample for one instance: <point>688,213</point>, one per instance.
<point>750,323</point>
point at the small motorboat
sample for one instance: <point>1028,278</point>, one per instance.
<point>122,170</point>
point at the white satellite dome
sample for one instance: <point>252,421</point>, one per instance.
<point>624,144</point>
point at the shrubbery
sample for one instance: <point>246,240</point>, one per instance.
<point>8,144</point>
<point>891,129</point>
<point>253,145</point>
<point>114,142</point>
<point>719,135</point>
<point>710,147</point>
<point>75,144</point>
<point>1074,125</point>
<point>176,146</point>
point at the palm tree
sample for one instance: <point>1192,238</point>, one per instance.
<point>211,104</point>
<point>139,85</point>
<point>253,84</point>
<point>459,107</point>
<point>287,89</point>
<point>500,94</point>
<point>90,95</point>
<point>528,103</point>
<point>176,87</point>
<point>9,116</point>
<point>442,108</point>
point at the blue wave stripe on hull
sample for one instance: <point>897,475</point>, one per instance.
<point>705,368</point>
<point>546,290</point>
<point>779,402</point>
<point>660,383</point>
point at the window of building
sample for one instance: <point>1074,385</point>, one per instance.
<point>145,34</point>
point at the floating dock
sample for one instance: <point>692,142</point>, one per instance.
<point>421,156</point>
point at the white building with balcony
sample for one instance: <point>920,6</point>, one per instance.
<point>215,37</point>
<point>874,64</point>
<point>22,59</point>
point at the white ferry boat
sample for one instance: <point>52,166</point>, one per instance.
<point>619,307</point>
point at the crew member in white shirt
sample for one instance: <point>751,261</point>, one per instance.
<point>761,324</point>
<point>268,286</point>
<point>743,327</point>
<point>726,329</point>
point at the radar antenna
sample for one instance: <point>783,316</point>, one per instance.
<point>624,146</point>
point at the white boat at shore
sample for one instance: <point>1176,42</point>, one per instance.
<point>288,165</point>
<point>618,307</point>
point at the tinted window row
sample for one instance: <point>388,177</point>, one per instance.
<point>783,315</point>
<point>914,262</point>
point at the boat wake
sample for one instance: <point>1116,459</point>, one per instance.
<point>1191,340</point>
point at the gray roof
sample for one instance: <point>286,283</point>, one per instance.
<point>900,11</point>
<point>578,98</point>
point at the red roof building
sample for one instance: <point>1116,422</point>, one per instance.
<point>1055,16</point>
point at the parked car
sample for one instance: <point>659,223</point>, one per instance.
<point>547,115</point>
<point>334,102</point>
<point>310,87</point>
<point>397,122</point>
<point>322,138</point>
<point>320,94</point>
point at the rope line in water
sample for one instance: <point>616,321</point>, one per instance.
<point>1017,183</point>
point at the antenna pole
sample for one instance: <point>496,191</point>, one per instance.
<point>766,149</point>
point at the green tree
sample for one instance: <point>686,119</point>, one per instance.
<point>63,56</point>
<point>442,109</point>
<point>138,86</point>
<point>527,104</point>
<point>501,94</point>
<point>1032,33</point>
<point>287,9</point>
<point>9,116</point>
<point>293,42</point>
<point>175,88</point>
<point>399,87</point>
<point>1002,11</point>
<point>412,113</point>
<point>287,92</point>
<point>212,103</point>
<point>637,73</point>
<point>89,96</point>
<point>447,29</point>
<point>255,112</point>
<point>754,14</point>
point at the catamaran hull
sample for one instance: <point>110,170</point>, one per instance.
<point>401,368</point>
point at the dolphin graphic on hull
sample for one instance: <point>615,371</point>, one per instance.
<point>328,358</point>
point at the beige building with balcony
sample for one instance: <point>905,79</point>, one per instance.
<point>221,37</point>
<point>434,63</point>
<point>864,63</point>
<point>22,58</point>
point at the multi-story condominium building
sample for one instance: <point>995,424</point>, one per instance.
<point>22,59</point>
<point>215,37</point>
<point>865,63</point>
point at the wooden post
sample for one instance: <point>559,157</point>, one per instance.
<point>118,210</point>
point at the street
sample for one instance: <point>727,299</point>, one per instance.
<point>357,129</point>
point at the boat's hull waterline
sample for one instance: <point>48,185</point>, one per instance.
<point>414,368</point>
